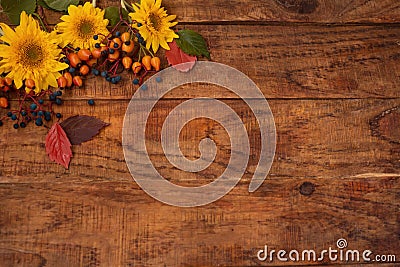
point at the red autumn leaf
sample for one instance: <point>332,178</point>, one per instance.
<point>58,146</point>
<point>179,59</point>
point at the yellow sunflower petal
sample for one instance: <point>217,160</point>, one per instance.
<point>51,80</point>
<point>9,34</point>
<point>155,44</point>
<point>164,44</point>
<point>158,4</point>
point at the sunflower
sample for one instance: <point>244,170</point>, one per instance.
<point>30,53</point>
<point>155,24</point>
<point>81,24</point>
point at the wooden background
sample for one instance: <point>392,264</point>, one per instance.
<point>330,71</point>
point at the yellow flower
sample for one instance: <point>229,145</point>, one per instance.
<point>81,24</point>
<point>30,53</point>
<point>156,24</point>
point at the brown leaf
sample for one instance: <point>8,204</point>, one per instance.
<point>80,129</point>
<point>176,57</point>
<point>58,146</point>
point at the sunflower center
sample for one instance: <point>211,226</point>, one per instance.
<point>31,55</point>
<point>155,21</point>
<point>86,28</point>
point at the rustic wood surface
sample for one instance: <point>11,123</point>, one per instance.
<point>334,92</point>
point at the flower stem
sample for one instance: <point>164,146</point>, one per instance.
<point>41,21</point>
<point>148,50</point>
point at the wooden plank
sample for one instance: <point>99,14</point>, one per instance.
<point>116,224</point>
<point>291,62</point>
<point>324,138</point>
<point>328,11</point>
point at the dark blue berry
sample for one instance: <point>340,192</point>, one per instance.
<point>96,72</point>
<point>47,113</point>
<point>116,45</point>
<point>16,126</point>
<point>135,81</point>
<point>137,35</point>
<point>14,117</point>
<point>141,40</point>
<point>59,115</point>
<point>41,101</point>
<point>72,70</point>
<point>108,79</point>
<point>58,101</point>
<point>9,114</point>
<point>118,78</point>
<point>90,102</point>
<point>117,34</point>
<point>40,113</point>
<point>52,97</point>
<point>139,24</point>
<point>77,49</point>
<point>111,51</point>
<point>22,124</point>
<point>58,93</point>
<point>1,123</point>
<point>39,122</point>
<point>113,80</point>
<point>95,37</point>
<point>128,43</point>
<point>33,106</point>
<point>47,118</point>
<point>104,74</point>
<point>66,60</point>
<point>97,45</point>
<point>34,114</point>
<point>23,113</point>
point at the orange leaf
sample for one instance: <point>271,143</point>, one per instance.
<point>58,146</point>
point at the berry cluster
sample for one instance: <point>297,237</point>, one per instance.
<point>6,84</point>
<point>33,108</point>
<point>112,55</point>
<point>80,61</point>
<point>123,50</point>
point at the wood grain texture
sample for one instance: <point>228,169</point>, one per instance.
<point>254,11</point>
<point>94,214</point>
<point>344,146</point>
<point>329,70</point>
<point>116,224</point>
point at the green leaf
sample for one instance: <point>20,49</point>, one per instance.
<point>43,4</point>
<point>60,5</point>
<point>14,8</point>
<point>112,14</point>
<point>192,43</point>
